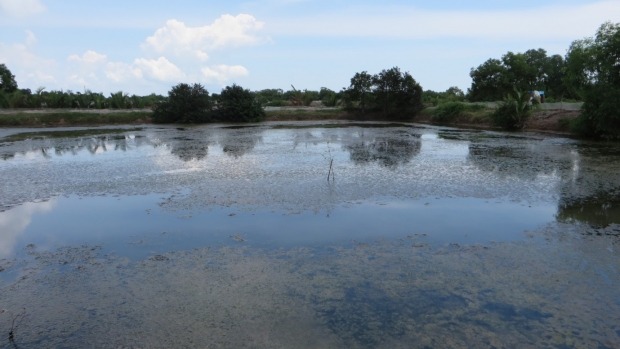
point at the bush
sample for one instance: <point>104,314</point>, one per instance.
<point>513,111</point>
<point>448,112</point>
<point>600,114</point>
<point>236,104</point>
<point>185,104</point>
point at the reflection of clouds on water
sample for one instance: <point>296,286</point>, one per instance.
<point>14,222</point>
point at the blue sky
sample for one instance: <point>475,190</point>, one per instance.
<point>144,47</point>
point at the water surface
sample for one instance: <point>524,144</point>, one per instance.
<point>232,236</point>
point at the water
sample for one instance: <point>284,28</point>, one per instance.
<point>232,236</point>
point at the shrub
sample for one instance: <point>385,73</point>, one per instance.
<point>600,114</point>
<point>185,104</point>
<point>238,105</point>
<point>448,112</point>
<point>513,111</point>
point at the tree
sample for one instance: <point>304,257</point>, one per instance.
<point>185,104</point>
<point>7,80</point>
<point>593,69</point>
<point>396,93</point>
<point>237,104</point>
<point>488,81</point>
<point>532,70</point>
<point>361,89</point>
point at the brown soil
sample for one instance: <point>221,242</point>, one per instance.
<point>551,120</point>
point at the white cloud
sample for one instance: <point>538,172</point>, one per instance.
<point>160,69</point>
<point>22,8</point>
<point>31,39</point>
<point>548,22</point>
<point>89,57</point>
<point>222,73</point>
<point>29,68</point>
<point>122,72</point>
<point>14,222</point>
<point>227,31</point>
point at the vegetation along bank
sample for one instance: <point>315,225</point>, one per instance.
<point>588,73</point>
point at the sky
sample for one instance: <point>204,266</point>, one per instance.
<point>148,47</point>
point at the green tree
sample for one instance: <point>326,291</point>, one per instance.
<point>489,81</point>
<point>593,69</point>
<point>532,70</point>
<point>7,80</point>
<point>237,104</point>
<point>185,104</point>
<point>361,89</point>
<point>397,93</point>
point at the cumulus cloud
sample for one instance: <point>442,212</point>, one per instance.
<point>89,57</point>
<point>21,8</point>
<point>28,68</point>
<point>160,69</point>
<point>227,31</point>
<point>222,73</point>
<point>121,72</point>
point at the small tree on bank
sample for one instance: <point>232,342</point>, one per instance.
<point>237,104</point>
<point>185,104</point>
<point>594,70</point>
<point>7,80</point>
<point>192,104</point>
<point>395,94</point>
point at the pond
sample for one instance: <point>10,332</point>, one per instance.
<point>305,235</point>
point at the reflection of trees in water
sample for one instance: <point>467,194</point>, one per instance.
<point>520,159</point>
<point>305,138</point>
<point>588,183</point>
<point>49,147</point>
<point>597,210</point>
<point>237,143</point>
<point>387,150</point>
<point>190,149</point>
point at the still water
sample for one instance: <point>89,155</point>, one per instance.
<point>227,236</point>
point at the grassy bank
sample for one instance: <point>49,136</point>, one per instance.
<point>302,114</point>
<point>457,114</point>
<point>70,118</point>
<point>548,121</point>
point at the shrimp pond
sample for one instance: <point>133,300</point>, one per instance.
<point>229,236</point>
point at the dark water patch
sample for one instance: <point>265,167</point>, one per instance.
<point>600,210</point>
<point>368,315</point>
<point>509,312</point>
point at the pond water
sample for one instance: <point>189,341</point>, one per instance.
<point>234,236</point>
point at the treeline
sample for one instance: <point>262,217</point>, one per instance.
<point>193,104</point>
<point>590,72</point>
<point>390,93</point>
<point>13,97</point>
